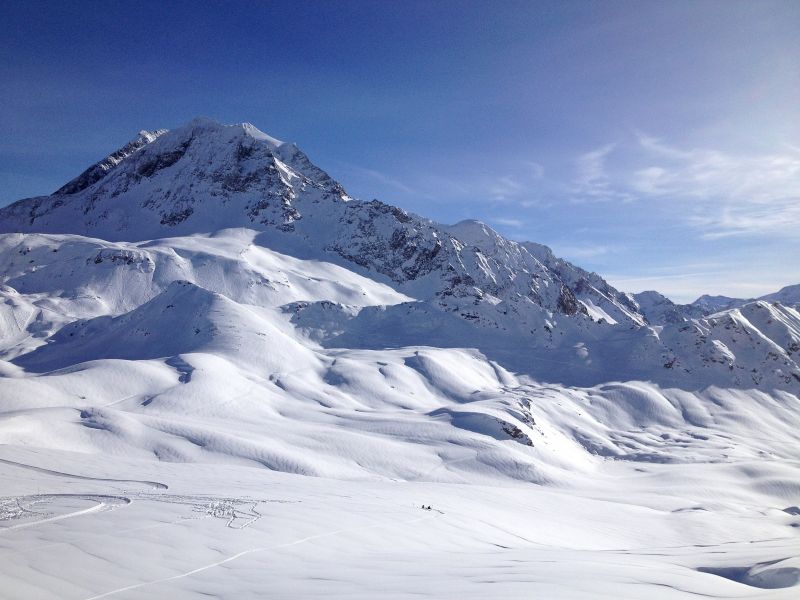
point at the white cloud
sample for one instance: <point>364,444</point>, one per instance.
<point>508,222</point>
<point>582,251</point>
<point>781,215</point>
<point>536,169</point>
<point>504,188</point>
<point>712,174</point>
<point>593,181</point>
<point>378,176</point>
<point>520,183</point>
<point>720,193</point>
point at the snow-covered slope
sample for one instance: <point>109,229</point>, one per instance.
<point>207,309</point>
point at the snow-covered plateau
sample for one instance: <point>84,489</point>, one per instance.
<point>223,377</point>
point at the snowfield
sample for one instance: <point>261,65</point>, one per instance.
<point>221,376</point>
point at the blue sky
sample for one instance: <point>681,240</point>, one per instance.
<point>657,143</point>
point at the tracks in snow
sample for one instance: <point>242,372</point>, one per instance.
<point>254,551</point>
<point>153,484</point>
<point>21,507</point>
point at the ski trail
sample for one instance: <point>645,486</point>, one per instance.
<point>153,484</point>
<point>115,533</point>
<point>101,505</point>
<point>253,551</point>
<point>120,401</point>
<point>77,513</point>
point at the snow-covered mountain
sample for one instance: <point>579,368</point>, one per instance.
<point>205,177</point>
<point>659,309</point>
<point>207,296</point>
<point>788,296</point>
<point>711,304</point>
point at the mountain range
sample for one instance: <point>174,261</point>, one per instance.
<point>208,297</point>
<point>207,177</point>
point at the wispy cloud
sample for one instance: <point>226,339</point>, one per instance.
<point>508,222</point>
<point>708,174</point>
<point>519,183</point>
<point>719,193</point>
<point>504,188</point>
<point>584,251</point>
<point>708,193</point>
<point>382,178</point>
<point>593,181</point>
<point>780,215</point>
<point>536,169</point>
<point>591,165</point>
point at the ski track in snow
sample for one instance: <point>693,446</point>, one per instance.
<point>103,503</point>
<point>152,484</point>
<point>84,534</point>
<point>254,551</point>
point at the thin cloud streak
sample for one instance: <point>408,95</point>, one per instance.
<point>508,222</point>
<point>380,177</point>
<point>593,182</point>
<point>586,251</point>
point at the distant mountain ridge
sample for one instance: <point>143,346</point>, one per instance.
<point>659,309</point>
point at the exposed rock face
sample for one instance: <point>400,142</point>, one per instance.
<point>390,241</point>
<point>96,172</point>
<point>567,302</point>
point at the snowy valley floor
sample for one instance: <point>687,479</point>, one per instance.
<point>80,527</point>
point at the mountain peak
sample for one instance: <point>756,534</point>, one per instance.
<point>474,232</point>
<point>201,124</point>
<point>203,176</point>
<point>148,136</point>
<point>255,133</point>
<point>789,295</point>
